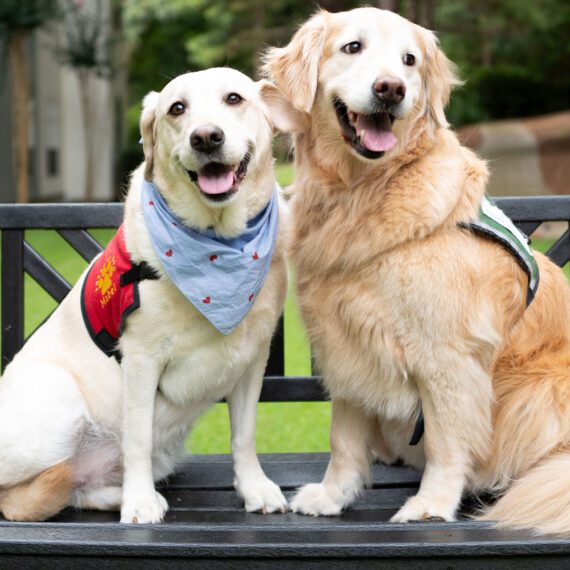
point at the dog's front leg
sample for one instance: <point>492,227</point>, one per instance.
<point>456,401</point>
<point>349,466</point>
<point>256,489</point>
<point>140,502</point>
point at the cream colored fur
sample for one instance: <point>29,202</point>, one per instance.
<point>406,310</point>
<point>63,402</point>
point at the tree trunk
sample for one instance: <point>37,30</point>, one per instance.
<point>260,31</point>
<point>413,11</point>
<point>20,110</point>
<point>87,112</point>
<point>332,5</point>
<point>425,13</point>
<point>429,22</point>
<point>393,5</point>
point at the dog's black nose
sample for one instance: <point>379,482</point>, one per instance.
<point>207,138</point>
<point>389,90</point>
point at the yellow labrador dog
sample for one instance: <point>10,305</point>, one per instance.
<point>407,308</point>
<point>91,422</point>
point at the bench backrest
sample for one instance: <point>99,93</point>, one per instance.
<point>72,220</point>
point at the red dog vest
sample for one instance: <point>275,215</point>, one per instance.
<point>110,293</point>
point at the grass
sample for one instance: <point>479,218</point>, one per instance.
<point>285,173</point>
<point>281,427</point>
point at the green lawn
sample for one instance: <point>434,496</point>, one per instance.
<point>282,427</point>
<point>285,173</point>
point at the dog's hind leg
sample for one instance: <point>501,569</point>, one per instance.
<point>41,497</point>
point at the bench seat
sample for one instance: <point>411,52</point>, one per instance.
<point>206,526</point>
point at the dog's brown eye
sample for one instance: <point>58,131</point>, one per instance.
<point>234,99</point>
<point>409,59</point>
<point>176,109</point>
<point>352,47</point>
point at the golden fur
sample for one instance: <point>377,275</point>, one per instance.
<point>41,497</point>
<point>405,309</point>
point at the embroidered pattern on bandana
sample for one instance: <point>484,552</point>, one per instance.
<point>220,277</point>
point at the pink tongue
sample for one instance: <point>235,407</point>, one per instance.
<point>378,136</point>
<point>216,184</point>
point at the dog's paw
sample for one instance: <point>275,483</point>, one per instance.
<point>316,500</point>
<point>422,509</point>
<point>144,509</point>
<point>262,495</point>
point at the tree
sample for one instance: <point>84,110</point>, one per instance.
<point>17,21</point>
<point>511,53</point>
<point>87,52</point>
<point>237,35</point>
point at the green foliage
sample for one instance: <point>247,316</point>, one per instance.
<point>513,55</point>
<point>87,44</point>
<point>507,91</point>
<point>26,14</point>
<point>159,54</point>
<point>236,35</point>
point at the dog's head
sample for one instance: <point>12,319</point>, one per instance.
<point>369,72</point>
<point>207,143</point>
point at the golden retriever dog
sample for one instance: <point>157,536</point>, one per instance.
<point>406,309</point>
<point>94,429</point>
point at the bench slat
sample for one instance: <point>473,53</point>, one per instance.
<point>110,215</point>
<point>60,216</point>
<point>44,274</point>
<point>535,208</point>
<point>560,251</point>
<point>292,389</point>
<point>82,242</point>
<point>12,294</point>
<point>286,473</point>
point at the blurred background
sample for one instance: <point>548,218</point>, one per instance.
<point>73,74</point>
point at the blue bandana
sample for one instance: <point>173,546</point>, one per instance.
<point>220,277</point>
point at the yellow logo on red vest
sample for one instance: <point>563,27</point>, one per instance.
<point>104,283</point>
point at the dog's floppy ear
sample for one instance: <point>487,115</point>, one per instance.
<point>282,115</point>
<point>148,121</point>
<point>440,76</point>
<point>295,67</point>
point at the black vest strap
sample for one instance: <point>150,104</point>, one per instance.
<point>418,430</point>
<point>138,273</point>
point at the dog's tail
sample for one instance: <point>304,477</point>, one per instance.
<point>539,500</point>
<point>39,498</point>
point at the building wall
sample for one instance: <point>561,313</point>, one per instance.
<point>102,135</point>
<point>526,156</point>
<point>102,131</point>
<point>46,139</point>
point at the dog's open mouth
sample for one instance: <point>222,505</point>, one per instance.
<point>369,135</point>
<point>219,181</point>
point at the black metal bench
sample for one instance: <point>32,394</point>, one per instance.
<point>206,523</point>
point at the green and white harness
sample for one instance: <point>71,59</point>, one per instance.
<point>493,224</point>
